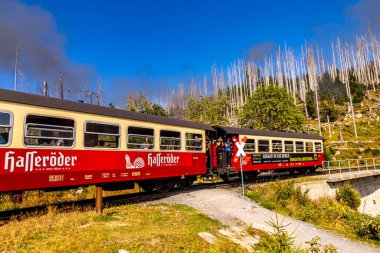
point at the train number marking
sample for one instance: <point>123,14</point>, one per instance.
<point>56,178</point>
<point>135,173</point>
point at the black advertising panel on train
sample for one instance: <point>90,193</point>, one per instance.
<point>283,158</point>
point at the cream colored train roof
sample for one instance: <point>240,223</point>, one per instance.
<point>48,102</point>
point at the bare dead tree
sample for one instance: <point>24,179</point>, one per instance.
<point>313,82</point>
<point>45,89</point>
<point>344,75</point>
<point>16,68</point>
<point>21,79</point>
<point>61,87</point>
<point>100,92</point>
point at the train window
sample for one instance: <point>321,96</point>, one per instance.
<point>249,146</point>
<point>99,135</point>
<point>170,140</point>
<point>5,128</point>
<point>48,131</point>
<point>194,141</point>
<point>263,145</point>
<point>300,147</point>
<point>318,147</point>
<point>309,146</point>
<point>289,146</point>
<point>140,138</point>
<point>276,146</point>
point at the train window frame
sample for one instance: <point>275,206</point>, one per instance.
<point>193,150</point>
<point>293,146</point>
<point>249,151</point>
<point>10,126</point>
<point>282,146</point>
<point>258,145</point>
<point>171,150</point>
<point>311,144</point>
<point>101,123</point>
<point>303,145</point>
<point>141,149</point>
<point>74,127</point>
<point>315,147</point>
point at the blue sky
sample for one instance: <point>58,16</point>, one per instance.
<point>144,44</point>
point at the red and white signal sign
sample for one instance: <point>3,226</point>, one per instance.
<point>240,151</point>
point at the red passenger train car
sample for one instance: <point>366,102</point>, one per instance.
<point>270,151</point>
<point>48,143</point>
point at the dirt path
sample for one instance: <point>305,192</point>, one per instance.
<point>231,208</point>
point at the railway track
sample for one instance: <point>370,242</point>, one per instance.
<point>109,201</point>
<point>131,198</point>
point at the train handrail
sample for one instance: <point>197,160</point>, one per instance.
<point>351,165</point>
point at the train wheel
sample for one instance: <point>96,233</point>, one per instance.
<point>181,184</point>
<point>164,186</point>
<point>302,171</point>
<point>291,172</point>
<point>147,188</point>
<point>251,175</point>
<point>312,170</point>
<point>186,183</point>
<point>224,177</point>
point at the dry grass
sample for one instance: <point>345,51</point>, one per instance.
<point>135,228</point>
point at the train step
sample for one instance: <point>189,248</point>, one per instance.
<point>233,178</point>
<point>231,169</point>
<point>232,174</point>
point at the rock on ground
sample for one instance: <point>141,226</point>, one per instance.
<point>210,238</point>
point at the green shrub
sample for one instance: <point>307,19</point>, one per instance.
<point>254,196</point>
<point>375,151</point>
<point>316,247</point>
<point>286,191</point>
<point>302,198</point>
<point>348,195</point>
<point>268,205</point>
<point>367,150</point>
<point>283,191</point>
<point>329,152</point>
<point>364,226</point>
<point>279,241</point>
<point>329,248</point>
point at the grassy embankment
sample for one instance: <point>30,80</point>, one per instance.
<point>135,228</point>
<point>286,198</point>
<point>368,129</point>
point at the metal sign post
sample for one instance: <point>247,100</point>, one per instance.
<point>242,156</point>
<point>241,173</point>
